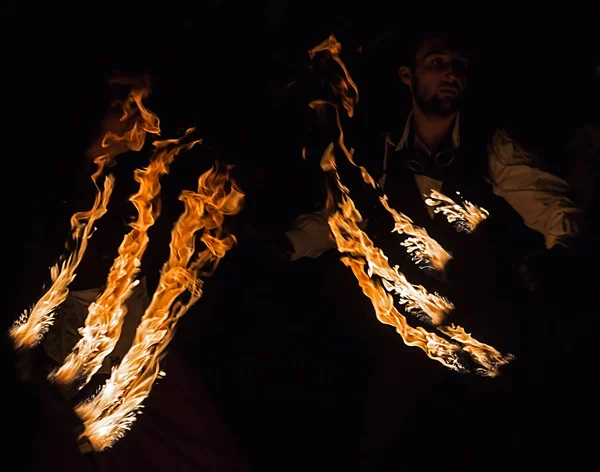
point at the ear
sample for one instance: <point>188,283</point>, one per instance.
<point>405,75</point>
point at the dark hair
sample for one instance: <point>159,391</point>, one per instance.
<point>455,37</point>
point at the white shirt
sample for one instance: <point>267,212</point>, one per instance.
<point>539,197</point>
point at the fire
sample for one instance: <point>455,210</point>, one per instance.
<point>423,249</point>
<point>465,217</point>
<point>361,253</point>
<point>434,346</point>
<point>112,411</point>
<point>344,225</point>
<point>488,357</point>
<point>345,88</point>
<point>366,261</point>
<point>109,414</point>
<point>106,314</point>
<point>32,325</point>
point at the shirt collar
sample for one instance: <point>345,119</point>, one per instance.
<point>408,128</point>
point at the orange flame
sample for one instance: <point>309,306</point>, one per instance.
<point>32,325</point>
<point>434,346</point>
<point>423,249</point>
<point>105,315</point>
<point>488,357</point>
<point>365,261</point>
<point>345,87</point>
<point>466,217</point>
<point>111,413</point>
<point>350,239</point>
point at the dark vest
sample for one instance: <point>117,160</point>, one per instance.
<point>483,269</point>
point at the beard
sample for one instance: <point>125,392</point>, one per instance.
<point>435,106</point>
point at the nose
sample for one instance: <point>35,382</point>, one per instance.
<point>455,69</point>
<point>450,73</point>
<point>452,77</point>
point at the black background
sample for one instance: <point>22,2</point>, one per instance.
<point>220,66</point>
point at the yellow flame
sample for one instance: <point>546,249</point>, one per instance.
<point>315,104</point>
<point>111,413</point>
<point>488,357</point>
<point>366,261</point>
<point>434,346</point>
<point>423,249</point>
<point>350,239</point>
<point>30,328</point>
<point>105,317</point>
<point>345,223</point>
<point>466,217</point>
<point>345,86</point>
<point>362,253</point>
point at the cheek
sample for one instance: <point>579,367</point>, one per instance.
<point>427,89</point>
<point>428,83</point>
<point>462,81</point>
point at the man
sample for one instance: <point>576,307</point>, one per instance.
<point>442,147</point>
<point>437,79</point>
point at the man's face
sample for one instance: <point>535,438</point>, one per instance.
<point>438,79</point>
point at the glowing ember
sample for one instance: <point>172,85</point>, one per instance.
<point>465,217</point>
<point>105,317</point>
<point>32,325</point>
<point>111,412</point>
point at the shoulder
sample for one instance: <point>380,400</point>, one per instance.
<point>504,148</point>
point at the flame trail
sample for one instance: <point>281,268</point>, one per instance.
<point>105,317</point>
<point>111,413</point>
<point>465,217</point>
<point>30,328</point>
<point>351,240</point>
<point>346,89</point>
<point>423,249</point>
<point>434,346</point>
<point>415,299</point>
<point>485,355</point>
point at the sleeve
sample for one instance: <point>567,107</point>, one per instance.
<point>310,235</point>
<point>541,198</point>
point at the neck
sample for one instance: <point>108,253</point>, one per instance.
<point>431,129</point>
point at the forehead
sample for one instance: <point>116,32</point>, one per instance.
<point>443,46</point>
